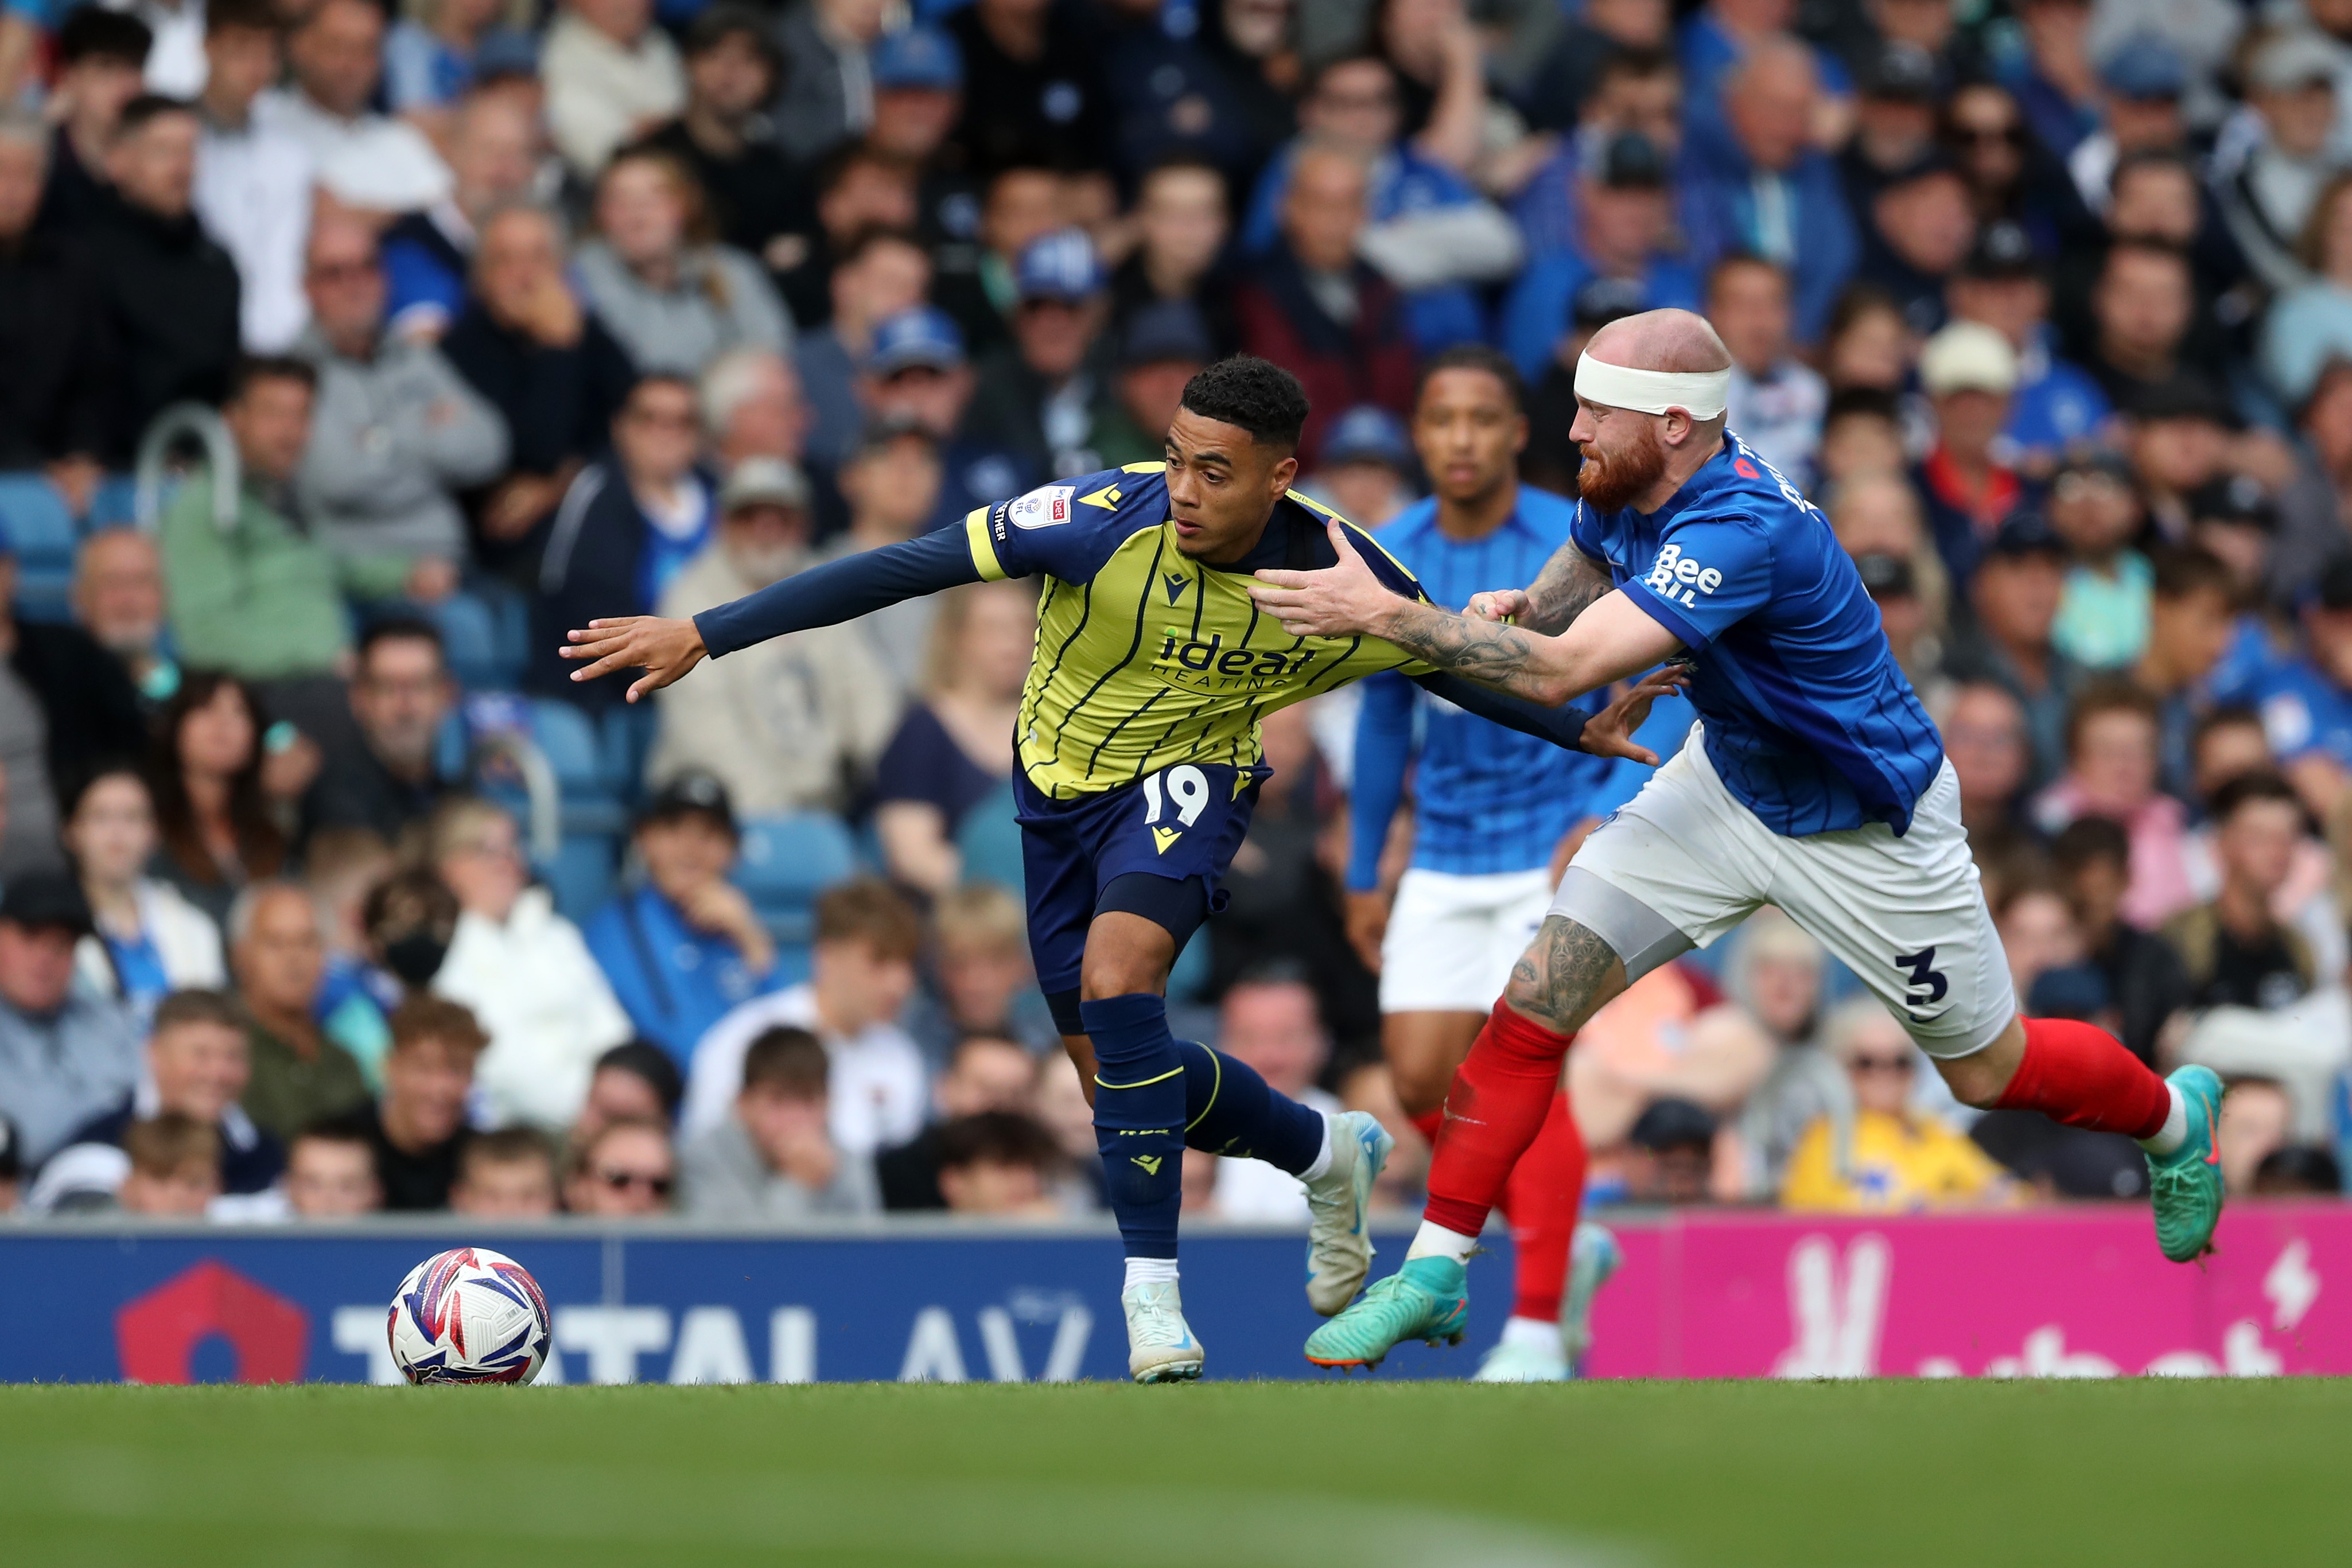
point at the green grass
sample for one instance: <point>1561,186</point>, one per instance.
<point>1878,1475</point>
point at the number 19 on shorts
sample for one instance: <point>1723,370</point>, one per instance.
<point>1181,793</point>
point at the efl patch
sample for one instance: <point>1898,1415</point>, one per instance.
<point>1042,508</point>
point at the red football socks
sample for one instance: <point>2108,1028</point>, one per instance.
<point>1502,1094</point>
<point>1428,1123</point>
<point>1541,1200</point>
<point>2080,1074</point>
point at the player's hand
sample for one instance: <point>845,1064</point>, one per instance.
<point>1368,922</point>
<point>664,649</point>
<point>1609,732</point>
<point>1340,601</point>
<point>1502,604</point>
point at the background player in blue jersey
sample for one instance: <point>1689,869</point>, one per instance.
<point>1492,811</point>
<point>1816,783</point>
<point>1139,764</point>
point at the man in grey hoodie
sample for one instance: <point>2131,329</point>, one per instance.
<point>396,430</point>
<point>775,1159</point>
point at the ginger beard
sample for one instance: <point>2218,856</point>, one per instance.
<point>1611,480</point>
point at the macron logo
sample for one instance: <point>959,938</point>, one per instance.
<point>1681,578</point>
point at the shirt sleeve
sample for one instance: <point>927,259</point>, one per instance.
<point>1065,530</point>
<point>1710,573</point>
<point>1383,749</point>
<point>842,591</point>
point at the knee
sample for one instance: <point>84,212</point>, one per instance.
<point>1974,1079</point>
<point>1118,974</point>
<point>1421,1086</point>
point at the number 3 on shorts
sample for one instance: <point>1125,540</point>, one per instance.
<point>1187,793</point>
<point>1925,976</point>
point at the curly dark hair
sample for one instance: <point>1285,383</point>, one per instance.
<point>1260,397</point>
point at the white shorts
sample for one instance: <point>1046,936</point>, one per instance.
<point>1684,861</point>
<point>1452,940</point>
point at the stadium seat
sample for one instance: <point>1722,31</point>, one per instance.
<point>469,635</point>
<point>41,533</point>
<point>116,502</point>
<point>626,737</point>
<point>989,840</point>
<point>595,819</point>
<point>786,862</point>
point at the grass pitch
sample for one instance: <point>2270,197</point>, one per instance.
<point>1877,1475</point>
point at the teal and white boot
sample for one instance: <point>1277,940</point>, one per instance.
<point>1160,1344</point>
<point>1339,1246</point>
<point>2185,1185</point>
<point>1593,1257</point>
<point>1427,1298</point>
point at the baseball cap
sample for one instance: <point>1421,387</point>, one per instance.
<point>2003,250</point>
<point>1669,1123</point>
<point>764,482</point>
<point>1905,72</point>
<point>2143,67</point>
<point>46,898</point>
<point>1600,300</point>
<point>2234,499</point>
<point>1629,161</point>
<point>2295,59</point>
<point>1366,433</point>
<point>916,57</point>
<point>1886,576</point>
<point>1967,355</point>
<point>1166,329</point>
<point>1059,266</point>
<point>2024,534</point>
<point>923,335</point>
<point>686,795</point>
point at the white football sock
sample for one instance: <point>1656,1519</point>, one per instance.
<point>1540,1334</point>
<point>1149,1271</point>
<point>1433,1240</point>
<point>1321,1163</point>
<point>2175,1131</point>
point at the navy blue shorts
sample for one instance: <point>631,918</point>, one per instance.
<point>1186,821</point>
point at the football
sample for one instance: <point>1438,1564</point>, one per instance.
<point>469,1315</point>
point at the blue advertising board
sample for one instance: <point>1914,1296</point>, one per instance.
<point>105,1302</point>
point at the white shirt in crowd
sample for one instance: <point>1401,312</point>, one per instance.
<point>369,161</point>
<point>601,93</point>
<point>1264,1194</point>
<point>880,1095</point>
<point>177,65</point>
<point>546,1006</point>
<point>253,195</point>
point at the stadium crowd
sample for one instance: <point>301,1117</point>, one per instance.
<point>348,354</point>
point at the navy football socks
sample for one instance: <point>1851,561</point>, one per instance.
<point>1230,1110</point>
<point>1139,1092</point>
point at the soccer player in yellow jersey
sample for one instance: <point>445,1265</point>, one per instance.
<point>1138,766</point>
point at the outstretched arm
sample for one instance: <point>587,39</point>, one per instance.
<point>822,596</point>
<point>1569,583</point>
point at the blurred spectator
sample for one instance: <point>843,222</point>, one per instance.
<point>212,801</point>
<point>2103,619</point>
<point>523,969</point>
<point>406,923</point>
<point>759,199</point>
<point>2143,975</point>
<point>1032,81</point>
<point>2054,82</point>
<point>981,979</point>
<point>419,1127</point>
<point>985,1072</point>
<point>626,529</point>
<point>1868,346</point>
<point>1570,71</point>
<point>171,294</point>
<point>2055,405</point>
<point>1969,371</point>
<point>56,404</point>
<point>917,374</point>
<point>506,1175</point>
<point>362,159</point>
<point>2012,178</point>
<point>2190,625</point>
<point>1776,973</point>
<point>858,189</point>
<point>2020,582</point>
<point>1368,467</point>
<point>827,92</point>
<point>775,1159</point>
<point>2282,549</point>
<point>862,973</point>
<point>495,146</point>
<point>2267,182</point>
<point>147,940</point>
<point>394,430</point>
<point>1992,752</point>
<point>2142,81</point>
<point>918,78</point>
<point>101,56</point>
<point>794,724</point>
<point>1896,1160</point>
<point>2142,308</point>
<point>2036,923</point>
<point>401,694</point>
<point>2183,437</point>
<point>195,1070</point>
<point>440,49</point>
<point>528,344</point>
<point>684,947</point>
<point>173,1167</point>
<point>2257,1121</point>
<point>1769,192</point>
<point>330,1174</point>
<point>752,406</point>
<point>1879,513</point>
<point>895,485</point>
<point>2296,1172</point>
<point>65,707</point>
<point>624,1170</point>
<point>299,1074</point>
<point>1022,204</point>
<point>2112,765</point>
<point>1036,397</point>
<point>1162,347</point>
<point>1777,400</point>
<point>880,273</point>
<point>1313,307</point>
<point>252,178</point>
<point>2234,950</point>
<point>2310,324</point>
<point>1918,228</point>
<point>998,1163</point>
<point>1623,204</point>
<point>260,598</point>
<point>635,1080</point>
<point>1182,220</point>
<point>1670,1154</point>
<point>952,755</point>
<point>65,1056</point>
<point>2306,702</point>
<point>1270,1021</point>
<point>612,76</point>
<point>1893,584</point>
<point>674,297</point>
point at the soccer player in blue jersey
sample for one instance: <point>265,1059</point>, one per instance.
<point>1491,811</point>
<point>1139,763</point>
<point>1816,783</point>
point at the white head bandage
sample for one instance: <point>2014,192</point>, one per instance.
<point>1700,394</point>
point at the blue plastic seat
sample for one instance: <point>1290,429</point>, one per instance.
<point>788,861</point>
<point>41,534</point>
<point>115,504</point>
<point>469,637</point>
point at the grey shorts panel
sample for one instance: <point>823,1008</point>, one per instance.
<point>1640,937</point>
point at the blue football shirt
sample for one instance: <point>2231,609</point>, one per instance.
<point>1807,719</point>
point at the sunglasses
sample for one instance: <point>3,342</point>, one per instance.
<point>1902,1064</point>
<point>622,1181</point>
<point>1988,136</point>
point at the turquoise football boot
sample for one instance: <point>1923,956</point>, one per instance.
<point>1426,1300</point>
<point>2185,1185</point>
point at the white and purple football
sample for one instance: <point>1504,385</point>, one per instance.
<point>469,1315</point>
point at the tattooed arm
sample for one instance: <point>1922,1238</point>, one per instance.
<point>1570,583</point>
